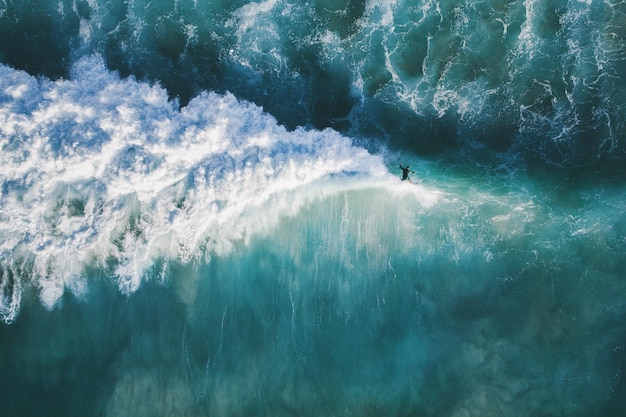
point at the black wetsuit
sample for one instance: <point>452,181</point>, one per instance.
<point>405,172</point>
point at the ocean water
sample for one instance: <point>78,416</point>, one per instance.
<point>201,210</point>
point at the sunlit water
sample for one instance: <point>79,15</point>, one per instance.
<point>207,255</point>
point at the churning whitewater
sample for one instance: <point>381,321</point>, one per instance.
<point>202,211</point>
<point>106,173</point>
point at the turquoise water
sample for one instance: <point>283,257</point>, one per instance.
<point>201,210</point>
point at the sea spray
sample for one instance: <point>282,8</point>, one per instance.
<point>107,172</point>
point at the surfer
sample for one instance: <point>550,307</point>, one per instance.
<point>405,172</point>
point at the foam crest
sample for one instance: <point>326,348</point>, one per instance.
<point>107,172</point>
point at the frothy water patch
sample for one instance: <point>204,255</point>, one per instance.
<point>107,172</point>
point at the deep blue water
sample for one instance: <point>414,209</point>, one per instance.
<point>201,211</point>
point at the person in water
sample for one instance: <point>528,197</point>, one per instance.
<point>405,172</point>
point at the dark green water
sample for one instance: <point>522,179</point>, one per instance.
<point>201,212</point>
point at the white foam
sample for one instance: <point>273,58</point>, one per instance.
<point>106,171</point>
<point>248,13</point>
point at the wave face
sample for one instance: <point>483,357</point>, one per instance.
<point>106,173</point>
<point>201,211</point>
